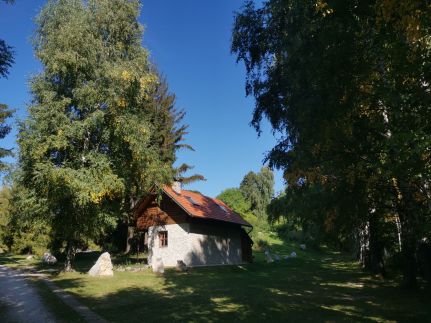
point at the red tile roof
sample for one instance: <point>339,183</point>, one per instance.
<point>204,207</point>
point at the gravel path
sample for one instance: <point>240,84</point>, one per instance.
<point>21,300</point>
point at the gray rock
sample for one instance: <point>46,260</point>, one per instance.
<point>102,267</point>
<point>181,266</point>
<point>268,257</point>
<point>293,254</point>
<point>276,257</point>
<point>302,246</point>
<point>49,259</point>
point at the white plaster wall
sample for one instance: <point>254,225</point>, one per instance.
<point>178,243</point>
<point>196,245</point>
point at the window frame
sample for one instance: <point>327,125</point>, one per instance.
<point>163,239</point>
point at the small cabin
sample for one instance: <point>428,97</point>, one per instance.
<point>193,228</point>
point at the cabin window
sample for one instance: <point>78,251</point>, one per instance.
<point>163,238</point>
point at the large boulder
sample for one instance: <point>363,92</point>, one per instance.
<point>49,259</point>
<point>102,267</point>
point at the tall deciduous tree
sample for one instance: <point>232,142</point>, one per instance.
<point>89,148</point>
<point>347,85</point>
<point>234,198</point>
<point>258,190</point>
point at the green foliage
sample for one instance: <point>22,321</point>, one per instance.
<point>102,129</point>
<point>346,85</point>
<point>258,190</point>
<point>5,242</point>
<point>252,199</point>
<point>19,233</point>
<point>234,198</point>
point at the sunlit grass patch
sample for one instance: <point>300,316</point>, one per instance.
<point>344,284</point>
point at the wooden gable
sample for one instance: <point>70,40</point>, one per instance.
<point>168,212</point>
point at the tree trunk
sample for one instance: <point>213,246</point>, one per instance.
<point>409,263</point>
<point>407,213</point>
<point>399,229</point>
<point>364,242</point>
<point>130,233</point>
<point>130,229</point>
<point>70,256</point>
<point>376,263</point>
<point>408,253</point>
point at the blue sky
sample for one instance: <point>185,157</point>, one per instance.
<point>190,43</point>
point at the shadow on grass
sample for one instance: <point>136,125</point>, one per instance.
<point>314,287</point>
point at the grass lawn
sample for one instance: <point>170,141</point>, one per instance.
<point>316,286</point>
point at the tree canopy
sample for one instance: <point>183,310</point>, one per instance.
<point>347,85</point>
<point>258,190</point>
<point>102,129</point>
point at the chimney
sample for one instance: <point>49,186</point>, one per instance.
<point>176,187</point>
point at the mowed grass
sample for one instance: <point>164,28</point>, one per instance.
<point>315,287</point>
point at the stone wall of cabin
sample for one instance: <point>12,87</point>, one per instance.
<point>178,243</point>
<point>197,243</point>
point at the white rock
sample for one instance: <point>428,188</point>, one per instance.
<point>102,267</point>
<point>302,246</point>
<point>30,257</point>
<point>293,254</point>
<point>268,257</point>
<point>49,259</point>
<point>158,266</point>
